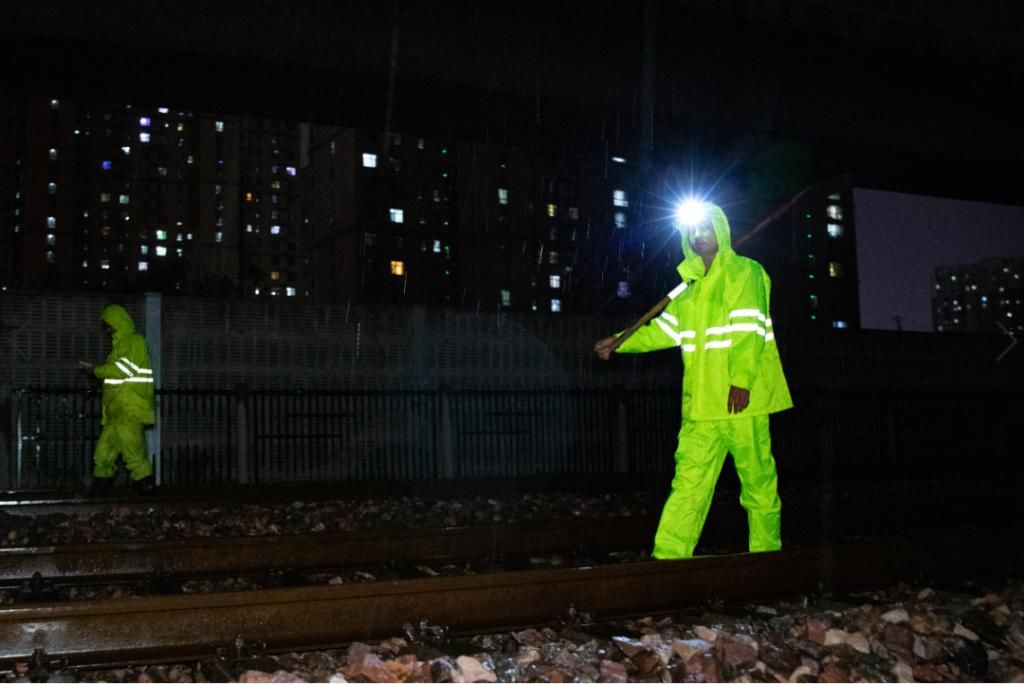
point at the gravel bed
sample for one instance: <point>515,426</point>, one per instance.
<point>124,522</point>
<point>900,634</point>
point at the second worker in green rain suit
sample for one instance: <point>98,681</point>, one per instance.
<point>732,381</point>
<point>127,404</point>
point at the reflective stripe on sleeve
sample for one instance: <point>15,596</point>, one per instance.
<point>718,344</point>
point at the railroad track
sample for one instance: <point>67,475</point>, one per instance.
<point>167,628</point>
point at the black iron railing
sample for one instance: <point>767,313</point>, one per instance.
<point>259,436</point>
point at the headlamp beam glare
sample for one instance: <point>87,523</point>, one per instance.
<point>691,212</point>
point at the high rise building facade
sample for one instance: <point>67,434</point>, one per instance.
<point>983,297</point>
<point>124,198</point>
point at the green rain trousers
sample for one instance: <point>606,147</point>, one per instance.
<point>127,399</point>
<point>702,448</point>
<point>719,319</point>
<point>126,440</point>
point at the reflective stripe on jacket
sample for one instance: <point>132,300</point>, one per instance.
<point>722,324</point>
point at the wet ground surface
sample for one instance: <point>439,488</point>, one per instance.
<point>972,632</point>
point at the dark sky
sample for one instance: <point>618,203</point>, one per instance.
<point>902,238</point>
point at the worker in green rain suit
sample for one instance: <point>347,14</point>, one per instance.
<point>732,381</point>
<point>127,404</point>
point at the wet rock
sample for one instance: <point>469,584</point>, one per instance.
<point>834,672</point>
<point>927,647</point>
<point>657,645</point>
<point>687,648</point>
<point>982,625</point>
<point>903,671</point>
<point>899,639</point>
<point>926,672</point>
<point>816,630</point>
<point>968,655</point>
<point>612,671</point>
<point>706,633</point>
<point>738,651</point>
<point>779,657</point>
<point>702,667</point>
<point>442,670</point>
<point>470,669</point>
<point>896,616</point>
<point>369,667</point>
<point>531,637</point>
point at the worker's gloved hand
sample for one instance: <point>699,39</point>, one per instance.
<point>739,399</point>
<point>603,348</point>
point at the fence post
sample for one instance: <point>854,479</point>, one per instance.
<point>242,434</point>
<point>154,327</point>
<point>445,434</point>
<point>620,430</point>
<point>7,433</point>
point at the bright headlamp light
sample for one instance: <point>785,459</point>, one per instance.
<point>691,212</point>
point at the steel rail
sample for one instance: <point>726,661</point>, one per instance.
<point>167,628</point>
<point>311,551</point>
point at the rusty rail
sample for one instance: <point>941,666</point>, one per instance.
<point>311,551</point>
<point>123,630</point>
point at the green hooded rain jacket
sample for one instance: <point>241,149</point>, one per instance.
<point>127,376</point>
<point>721,322</point>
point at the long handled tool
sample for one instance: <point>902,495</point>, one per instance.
<point>660,306</point>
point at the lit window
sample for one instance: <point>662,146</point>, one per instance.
<point>105,164</point>
<point>143,265</point>
<point>275,275</point>
<point>218,126</point>
<point>506,298</point>
<point>161,235</point>
<point>54,104</point>
<point>290,170</point>
<point>556,305</point>
<point>623,290</point>
<point>105,264</point>
<point>839,324</point>
<point>574,213</point>
<point>275,230</point>
<point>619,160</point>
<point>161,251</point>
<point>51,187</point>
<point>51,257</point>
<point>835,211</point>
<point>144,137</point>
<point>437,246</point>
<point>161,171</point>
<point>105,231</point>
<point>397,215</point>
<point>835,196</point>
<point>51,221</point>
<point>555,281</point>
<point>248,197</point>
<point>552,210</point>
<point>369,160</point>
<point>123,199</point>
<point>180,252</point>
<point>163,110</point>
<point>502,195</point>
<point>835,230</point>
<point>53,153</point>
<point>835,269</point>
<point>289,291</point>
<point>191,159</point>
<point>126,150</point>
<point>619,198</point>
<point>552,258</point>
<point>51,239</point>
<point>398,268</point>
<point>144,121</point>
<point>218,237</point>
<point>420,143</point>
<point>276,184</point>
<point>620,219</point>
<point>144,249</point>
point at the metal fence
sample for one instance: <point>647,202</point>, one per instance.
<point>250,436</point>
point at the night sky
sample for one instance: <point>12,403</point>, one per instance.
<point>902,238</point>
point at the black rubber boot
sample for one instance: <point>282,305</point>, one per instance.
<point>101,486</point>
<point>145,486</point>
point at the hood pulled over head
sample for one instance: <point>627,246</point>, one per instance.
<point>692,266</point>
<point>117,318</point>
